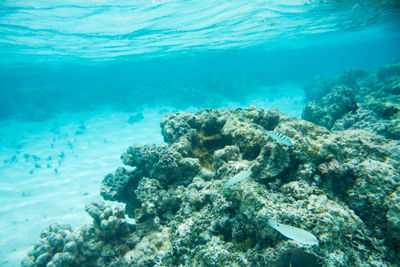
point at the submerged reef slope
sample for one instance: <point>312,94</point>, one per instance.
<point>343,187</point>
<point>359,99</point>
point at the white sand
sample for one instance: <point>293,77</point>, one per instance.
<point>32,198</point>
<point>30,202</point>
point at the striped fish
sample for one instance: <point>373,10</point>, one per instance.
<point>281,138</point>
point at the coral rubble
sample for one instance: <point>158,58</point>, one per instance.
<point>343,187</point>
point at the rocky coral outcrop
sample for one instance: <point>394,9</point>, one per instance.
<point>337,103</point>
<point>319,87</point>
<point>368,100</point>
<point>325,181</point>
<point>340,186</point>
<point>102,243</point>
<point>393,217</point>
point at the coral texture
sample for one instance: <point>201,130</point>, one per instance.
<point>358,100</point>
<point>340,186</point>
<point>103,243</point>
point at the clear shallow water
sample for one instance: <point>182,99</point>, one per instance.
<point>49,172</point>
<point>39,91</point>
<point>80,57</point>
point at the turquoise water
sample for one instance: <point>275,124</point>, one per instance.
<point>108,52</point>
<point>184,79</point>
<point>97,31</point>
<point>75,65</point>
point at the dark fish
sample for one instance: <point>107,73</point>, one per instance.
<point>352,107</point>
<point>298,258</point>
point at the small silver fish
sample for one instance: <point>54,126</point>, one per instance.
<point>297,234</point>
<point>238,178</point>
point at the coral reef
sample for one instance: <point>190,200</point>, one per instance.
<point>368,100</point>
<point>318,87</point>
<point>103,243</point>
<point>343,187</point>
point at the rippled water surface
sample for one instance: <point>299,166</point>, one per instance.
<point>101,30</point>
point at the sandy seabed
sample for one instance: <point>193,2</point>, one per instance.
<point>51,170</point>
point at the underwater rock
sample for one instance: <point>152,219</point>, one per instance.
<point>142,157</point>
<point>332,107</point>
<point>393,217</point>
<point>151,160</point>
<point>149,250</point>
<point>326,183</point>
<point>318,87</point>
<point>90,245</point>
<point>175,125</point>
<point>155,201</point>
<point>374,181</point>
<point>298,258</point>
<point>351,78</point>
<point>371,101</point>
<point>114,186</point>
